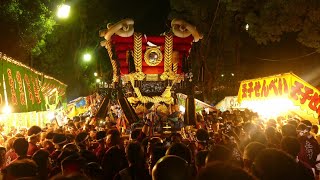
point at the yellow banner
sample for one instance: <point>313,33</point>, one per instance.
<point>286,85</point>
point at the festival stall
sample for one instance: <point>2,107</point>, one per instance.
<point>28,97</point>
<point>229,103</point>
<point>280,94</point>
<point>200,105</point>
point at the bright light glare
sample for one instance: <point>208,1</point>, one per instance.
<point>269,108</point>
<point>232,74</point>
<point>222,75</point>
<point>98,80</point>
<point>87,57</point>
<point>182,109</point>
<point>63,11</point>
<point>247,27</point>
<point>6,110</point>
<point>50,115</point>
<point>95,74</point>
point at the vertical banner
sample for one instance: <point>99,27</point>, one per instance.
<point>29,91</point>
<point>36,89</point>
<point>11,86</point>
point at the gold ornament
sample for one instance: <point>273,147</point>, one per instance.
<point>137,51</point>
<point>113,62</point>
<point>168,46</point>
<point>153,56</point>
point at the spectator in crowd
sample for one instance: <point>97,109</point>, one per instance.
<point>20,147</point>
<point>250,153</point>
<point>34,133</point>
<point>291,145</point>
<point>180,150</point>
<point>42,159</point>
<point>20,169</point>
<point>225,171</point>
<point>10,155</point>
<point>200,160</point>
<point>273,164</point>
<point>113,161</point>
<point>171,167</point>
<point>137,167</point>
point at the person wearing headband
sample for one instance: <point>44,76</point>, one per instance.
<point>34,133</point>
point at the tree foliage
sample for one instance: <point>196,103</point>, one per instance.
<point>269,20</point>
<point>33,20</point>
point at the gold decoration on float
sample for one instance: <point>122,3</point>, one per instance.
<point>153,56</point>
<point>168,46</point>
<point>113,62</point>
<point>137,56</point>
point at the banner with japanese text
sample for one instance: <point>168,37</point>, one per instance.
<point>14,86</point>
<point>21,87</point>
<point>286,85</point>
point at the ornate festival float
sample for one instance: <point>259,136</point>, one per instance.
<point>28,97</point>
<point>151,69</point>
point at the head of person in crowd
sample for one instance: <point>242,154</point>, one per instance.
<point>93,171</point>
<point>135,134</point>
<point>303,130</point>
<point>101,137</point>
<point>258,136</point>
<point>250,153</point>
<point>72,164</point>
<point>20,169</point>
<point>20,147</point>
<point>315,129</point>
<point>34,133</point>
<point>82,140</point>
<point>42,159</point>
<point>113,161</point>
<point>200,159</point>
<point>70,137</point>
<point>92,133</point>
<point>248,128</point>
<point>152,142</point>
<point>113,138</point>
<point>135,155</point>
<point>9,143</point>
<point>293,121</point>
<point>48,146</point>
<point>225,171</point>
<point>272,123</point>
<point>291,145</point>
<point>214,124</point>
<point>273,164</point>
<point>49,136</point>
<point>156,153</point>
<point>219,153</point>
<point>307,123</point>
<point>180,150</point>
<point>59,140</point>
<point>171,168</point>
<point>289,130</point>
<point>202,139</point>
<point>175,137</point>
<point>71,147</point>
<point>273,136</point>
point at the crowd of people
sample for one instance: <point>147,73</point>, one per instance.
<point>229,145</point>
